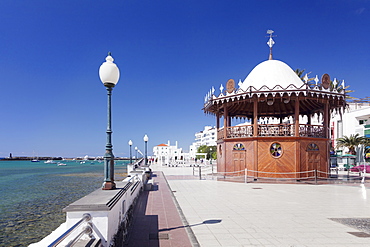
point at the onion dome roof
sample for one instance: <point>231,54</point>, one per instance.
<point>271,73</point>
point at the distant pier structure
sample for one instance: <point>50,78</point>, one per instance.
<point>286,130</point>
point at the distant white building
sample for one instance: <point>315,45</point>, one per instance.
<point>167,154</point>
<point>206,137</point>
<point>355,120</point>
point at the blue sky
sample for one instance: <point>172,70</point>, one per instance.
<point>170,53</point>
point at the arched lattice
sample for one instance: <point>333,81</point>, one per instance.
<point>239,147</point>
<point>312,147</point>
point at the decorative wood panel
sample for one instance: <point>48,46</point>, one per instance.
<point>284,164</point>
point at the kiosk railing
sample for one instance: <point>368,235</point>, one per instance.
<point>281,130</point>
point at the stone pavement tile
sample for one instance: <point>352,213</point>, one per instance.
<point>264,241</point>
<point>228,242</point>
<point>242,235</point>
<point>208,236</point>
<point>209,242</point>
<point>289,242</point>
<point>244,241</point>
<point>254,241</point>
<point>219,231</point>
<point>236,230</point>
<point>224,237</point>
<point>199,231</point>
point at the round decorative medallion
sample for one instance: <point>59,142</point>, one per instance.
<point>325,81</point>
<point>230,86</point>
<point>276,150</point>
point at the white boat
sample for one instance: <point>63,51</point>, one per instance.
<point>50,162</point>
<point>35,159</point>
<point>62,164</point>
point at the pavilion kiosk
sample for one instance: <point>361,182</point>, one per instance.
<point>286,129</point>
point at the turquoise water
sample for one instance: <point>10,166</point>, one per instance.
<point>33,194</point>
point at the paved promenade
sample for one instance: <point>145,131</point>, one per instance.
<point>260,214</point>
<point>156,220</point>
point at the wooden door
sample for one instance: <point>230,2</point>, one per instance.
<point>239,162</point>
<point>313,161</point>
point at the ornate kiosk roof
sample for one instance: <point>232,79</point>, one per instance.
<point>271,73</point>
<point>276,87</point>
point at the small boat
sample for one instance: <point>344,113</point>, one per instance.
<point>50,162</point>
<point>35,158</point>
<point>62,164</point>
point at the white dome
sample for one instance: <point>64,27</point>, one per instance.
<point>271,73</point>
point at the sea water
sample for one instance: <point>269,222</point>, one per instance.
<point>33,194</point>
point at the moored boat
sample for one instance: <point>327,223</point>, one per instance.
<point>50,162</point>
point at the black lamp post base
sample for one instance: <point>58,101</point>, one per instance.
<point>109,186</point>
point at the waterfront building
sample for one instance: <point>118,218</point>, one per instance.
<point>355,120</point>
<point>276,142</point>
<point>206,137</point>
<point>166,154</point>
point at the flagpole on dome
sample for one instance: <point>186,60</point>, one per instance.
<point>271,42</point>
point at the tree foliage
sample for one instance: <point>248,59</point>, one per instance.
<point>211,151</point>
<point>351,142</point>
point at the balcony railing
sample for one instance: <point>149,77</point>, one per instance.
<point>312,131</point>
<point>276,130</point>
<point>240,131</point>
<point>281,130</point>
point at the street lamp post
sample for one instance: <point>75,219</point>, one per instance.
<point>130,144</point>
<point>136,153</point>
<point>109,75</point>
<point>146,139</point>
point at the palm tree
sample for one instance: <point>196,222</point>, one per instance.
<point>339,87</point>
<point>351,142</point>
<point>361,100</point>
<point>300,73</point>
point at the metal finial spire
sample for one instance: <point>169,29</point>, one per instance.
<point>271,42</point>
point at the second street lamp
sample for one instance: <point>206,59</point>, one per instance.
<point>130,144</point>
<point>109,76</point>
<point>146,139</point>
